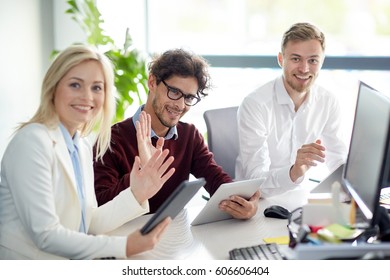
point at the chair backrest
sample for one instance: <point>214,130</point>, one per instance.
<point>222,137</point>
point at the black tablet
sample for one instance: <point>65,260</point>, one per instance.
<point>174,203</point>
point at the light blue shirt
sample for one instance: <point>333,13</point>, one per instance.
<point>172,132</point>
<point>72,145</point>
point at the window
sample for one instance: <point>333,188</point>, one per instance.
<point>227,31</point>
<point>353,27</point>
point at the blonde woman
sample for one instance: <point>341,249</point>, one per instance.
<point>48,208</point>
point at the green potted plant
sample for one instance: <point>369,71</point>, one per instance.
<point>130,67</point>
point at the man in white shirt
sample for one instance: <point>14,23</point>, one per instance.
<point>290,124</point>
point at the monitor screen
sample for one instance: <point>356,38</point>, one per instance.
<point>386,178</point>
<point>364,171</point>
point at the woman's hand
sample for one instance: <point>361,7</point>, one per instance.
<point>138,243</point>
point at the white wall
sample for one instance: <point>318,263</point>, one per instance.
<point>21,60</point>
<point>66,30</point>
<point>29,31</point>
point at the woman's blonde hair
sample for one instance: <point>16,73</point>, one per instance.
<point>66,60</point>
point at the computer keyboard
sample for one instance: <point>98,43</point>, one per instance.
<point>268,251</point>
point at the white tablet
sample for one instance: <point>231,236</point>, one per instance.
<point>211,213</point>
<point>325,186</point>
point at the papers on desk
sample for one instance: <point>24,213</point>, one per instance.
<point>280,240</point>
<point>344,233</point>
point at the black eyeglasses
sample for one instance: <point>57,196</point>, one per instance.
<point>176,94</point>
<point>296,230</point>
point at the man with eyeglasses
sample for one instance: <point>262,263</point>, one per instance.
<point>177,80</point>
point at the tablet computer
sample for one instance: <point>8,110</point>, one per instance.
<point>325,186</point>
<point>174,203</point>
<point>211,213</point>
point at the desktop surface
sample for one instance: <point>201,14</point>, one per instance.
<point>215,240</point>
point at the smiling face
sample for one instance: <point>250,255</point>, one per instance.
<point>301,63</point>
<point>165,112</point>
<point>79,95</point>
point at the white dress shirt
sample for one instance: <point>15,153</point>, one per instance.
<point>271,132</point>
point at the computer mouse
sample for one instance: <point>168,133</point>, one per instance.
<point>276,211</point>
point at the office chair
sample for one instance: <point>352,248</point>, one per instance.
<point>222,137</point>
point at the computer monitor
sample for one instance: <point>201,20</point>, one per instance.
<point>364,171</point>
<point>385,192</point>
<point>386,168</point>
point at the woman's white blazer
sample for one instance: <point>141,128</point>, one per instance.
<point>39,208</point>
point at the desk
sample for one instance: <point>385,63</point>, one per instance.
<point>215,240</point>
